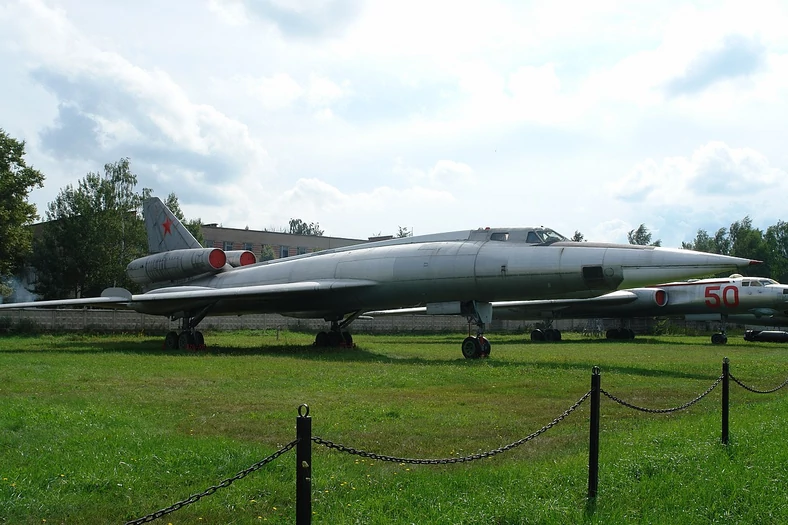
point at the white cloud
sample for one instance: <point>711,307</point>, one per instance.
<point>232,12</point>
<point>444,174</point>
<point>279,91</point>
<point>502,113</point>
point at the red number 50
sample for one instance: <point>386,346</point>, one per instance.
<point>729,296</point>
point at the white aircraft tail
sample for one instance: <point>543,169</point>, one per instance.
<point>165,231</point>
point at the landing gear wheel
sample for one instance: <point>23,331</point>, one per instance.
<point>186,341</point>
<point>537,335</point>
<point>613,333</point>
<point>199,340</point>
<point>347,339</point>
<point>485,345</point>
<point>334,338</point>
<point>321,339</point>
<point>171,341</point>
<point>552,335</point>
<point>471,348</point>
<point>719,339</point>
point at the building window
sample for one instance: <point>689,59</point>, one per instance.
<point>284,251</point>
<point>302,250</point>
<point>248,246</point>
<point>228,245</point>
<point>208,243</point>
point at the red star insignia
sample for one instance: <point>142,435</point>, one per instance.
<point>167,225</point>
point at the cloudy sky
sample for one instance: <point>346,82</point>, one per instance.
<point>432,115</point>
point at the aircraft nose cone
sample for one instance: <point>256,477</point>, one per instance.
<point>670,264</point>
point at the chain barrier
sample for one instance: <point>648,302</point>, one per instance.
<point>755,390</point>
<point>663,410</point>
<point>448,461</point>
<point>226,483</point>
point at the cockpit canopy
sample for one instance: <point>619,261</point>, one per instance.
<point>539,235</point>
<point>758,281</point>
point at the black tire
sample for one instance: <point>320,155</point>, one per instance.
<point>347,339</point>
<point>613,333</point>
<point>321,339</point>
<point>186,341</point>
<point>537,335</point>
<point>471,348</point>
<point>718,339</point>
<point>199,340</point>
<point>630,334</point>
<point>171,341</point>
<point>334,339</point>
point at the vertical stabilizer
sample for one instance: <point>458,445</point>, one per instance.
<point>165,231</point>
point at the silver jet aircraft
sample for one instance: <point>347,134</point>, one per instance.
<point>751,300</point>
<point>461,272</point>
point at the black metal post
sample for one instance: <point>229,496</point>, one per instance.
<point>304,467</point>
<point>725,399</point>
<point>593,448</point>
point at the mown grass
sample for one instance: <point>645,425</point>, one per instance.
<point>103,429</point>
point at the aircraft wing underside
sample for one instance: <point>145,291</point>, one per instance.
<point>178,298</point>
<point>534,307</point>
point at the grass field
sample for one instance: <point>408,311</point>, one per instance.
<point>108,428</point>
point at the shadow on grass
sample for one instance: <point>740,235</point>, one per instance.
<point>152,346</point>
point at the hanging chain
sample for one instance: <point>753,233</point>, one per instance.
<point>448,461</point>
<point>226,483</point>
<point>756,391</point>
<point>663,410</point>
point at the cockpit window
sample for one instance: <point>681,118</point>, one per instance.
<point>755,283</point>
<point>548,235</point>
<point>533,238</point>
<point>499,236</point>
<point>745,283</point>
<point>767,282</point>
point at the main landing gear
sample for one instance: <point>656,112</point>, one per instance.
<point>479,346</point>
<point>337,336</point>
<point>189,337</point>
<point>620,334</point>
<point>722,337</point>
<point>548,334</point>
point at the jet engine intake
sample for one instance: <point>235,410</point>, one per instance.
<point>236,258</point>
<point>175,265</point>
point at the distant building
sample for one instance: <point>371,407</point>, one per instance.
<point>282,244</point>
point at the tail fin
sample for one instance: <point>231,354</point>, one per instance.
<point>165,231</point>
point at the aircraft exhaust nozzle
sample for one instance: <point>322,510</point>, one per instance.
<point>671,264</point>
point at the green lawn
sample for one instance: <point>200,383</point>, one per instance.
<point>104,429</point>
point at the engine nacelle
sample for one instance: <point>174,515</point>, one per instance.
<point>650,296</point>
<point>176,264</point>
<point>236,258</point>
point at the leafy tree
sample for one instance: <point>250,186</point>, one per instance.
<point>299,227</point>
<point>266,253</point>
<point>577,237</point>
<point>93,232</point>
<point>722,243</point>
<point>642,236</point>
<point>702,243</point>
<point>748,242</point>
<point>776,241</point>
<point>17,179</point>
<point>403,232</point>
